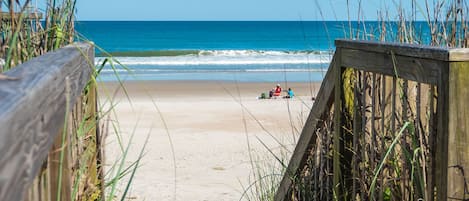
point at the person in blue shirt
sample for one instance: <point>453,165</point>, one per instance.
<point>290,93</point>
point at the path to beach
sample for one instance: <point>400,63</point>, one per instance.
<point>206,126</point>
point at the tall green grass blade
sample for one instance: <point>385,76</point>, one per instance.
<point>112,192</point>
<point>173,152</point>
<point>388,153</point>
<point>134,170</point>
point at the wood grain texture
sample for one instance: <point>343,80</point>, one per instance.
<point>308,135</point>
<point>337,135</point>
<point>410,68</point>
<point>410,50</point>
<point>441,143</point>
<point>459,54</point>
<point>32,111</point>
<point>458,131</point>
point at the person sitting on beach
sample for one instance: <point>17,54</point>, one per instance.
<point>271,93</point>
<point>290,93</point>
<point>278,90</point>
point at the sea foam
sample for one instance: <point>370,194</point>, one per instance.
<point>229,57</point>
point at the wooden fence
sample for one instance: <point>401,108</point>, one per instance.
<point>390,122</point>
<point>41,110</point>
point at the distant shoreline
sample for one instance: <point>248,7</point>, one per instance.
<point>207,88</point>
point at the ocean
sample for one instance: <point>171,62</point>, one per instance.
<point>293,51</point>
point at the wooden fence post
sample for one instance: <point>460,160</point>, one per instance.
<point>458,127</point>
<point>93,142</point>
<point>56,165</point>
<point>337,128</point>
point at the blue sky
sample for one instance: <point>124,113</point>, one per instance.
<point>233,9</point>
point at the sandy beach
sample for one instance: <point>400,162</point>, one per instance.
<point>200,134</point>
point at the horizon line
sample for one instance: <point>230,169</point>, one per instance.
<point>88,20</point>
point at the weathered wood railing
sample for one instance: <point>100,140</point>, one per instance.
<point>390,122</point>
<point>33,116</point>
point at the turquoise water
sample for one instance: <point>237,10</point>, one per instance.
<point>242,51</point>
